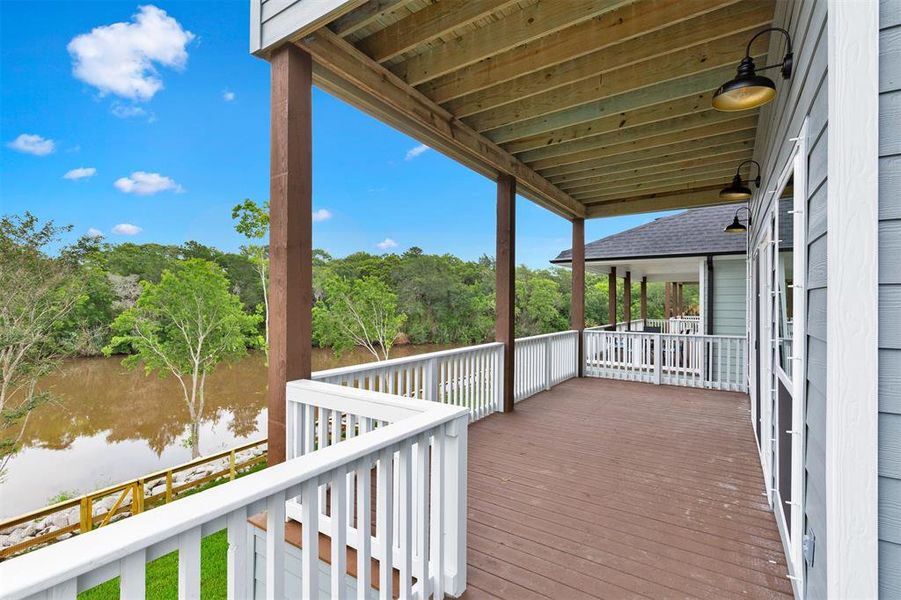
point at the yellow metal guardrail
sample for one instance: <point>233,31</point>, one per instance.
<point>134,491</point>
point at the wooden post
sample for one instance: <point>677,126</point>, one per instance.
<point>290,234</point>
<point>611,298</point>
<point>667,300</point>
<point>577,304</point>
<point>505,291</point>
<point>679,308</point>
<point>643,299</point>
<point>627,300</point>
<point>708,300</point>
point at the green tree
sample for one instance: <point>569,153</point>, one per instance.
<point>185,326</point>
<point>38,293</point>
<point>252,221</point>
<point>358,312</point>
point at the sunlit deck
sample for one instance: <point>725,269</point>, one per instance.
<point>612,489</point>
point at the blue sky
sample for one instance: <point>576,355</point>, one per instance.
<point>174,146</point>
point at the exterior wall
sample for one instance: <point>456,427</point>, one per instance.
<point>804,96</point>
<point>890,300</point>
<point>729,295</point>
<point>273,21</point>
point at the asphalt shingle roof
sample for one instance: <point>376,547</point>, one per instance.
<point>695,232</point>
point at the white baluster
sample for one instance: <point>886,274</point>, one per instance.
<point>240,576</point>
<point>364,529</point>
<point>339,533</point>
<point>132,573</point>
<point>309,560</point>
<point>385,522</point>
<point>189,564</point>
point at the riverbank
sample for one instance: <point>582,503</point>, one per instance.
<point>69,517</point>
<point>107,424</point>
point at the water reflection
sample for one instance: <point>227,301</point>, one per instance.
<point>110,424</point>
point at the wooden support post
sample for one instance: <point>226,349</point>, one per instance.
<point>505,291</point>
<point>667,300</point>
<point>577,305</point>
<point>627,300</point>
<point>611,298</point>
<point>708,300</point>
<point>679,308</point>
<point>643,300</point>
<point>290,234</point>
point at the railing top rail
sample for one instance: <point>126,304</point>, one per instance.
<point>57,563</point>
<point>546,335</point>
<point>393,362</point>
<point>687,335</point>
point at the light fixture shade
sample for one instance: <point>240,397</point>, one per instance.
<point>735,190</point>
<point>746,91</point>
<point>735,227</point>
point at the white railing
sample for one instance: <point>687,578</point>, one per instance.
<point>543,361</point>
<point>705,361</point>
<point>688,325</point>
<point>416,451</point>
<point>467,377</point>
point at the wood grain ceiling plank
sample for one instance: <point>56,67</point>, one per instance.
<point>697,133</point>
<point>604,31</point>
<point>722,52</point>
<point>733,22</point>
<point>530,23</point>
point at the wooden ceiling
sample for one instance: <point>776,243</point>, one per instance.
<point>598,107</point>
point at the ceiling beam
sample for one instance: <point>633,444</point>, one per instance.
<point>696,133</point>
<point>723,52</point>
<point>645,52</point>
<point>647,96</point>
<point>520,27</point>
<point>577,40</point>
<point>654,156</point>
<point>343,59</point>
<point>426,25</point>
<point>690,121</point>
<point>616,122</point>
<point>655,203</point>
<point>364,16</point>
<point>720,172</point>
<point>655,174</point>
<point>707,183</point>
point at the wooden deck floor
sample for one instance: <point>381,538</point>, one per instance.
<point>608,489</point>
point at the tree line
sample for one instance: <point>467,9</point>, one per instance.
<point>180,310</point>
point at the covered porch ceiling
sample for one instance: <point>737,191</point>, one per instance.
<point>596,107</point>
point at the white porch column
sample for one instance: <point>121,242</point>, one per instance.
<point>852,301</point>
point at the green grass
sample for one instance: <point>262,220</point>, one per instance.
<point>162,573</point>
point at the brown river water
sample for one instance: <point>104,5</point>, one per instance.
<point>108,424</point>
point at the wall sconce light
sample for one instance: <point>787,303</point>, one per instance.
<point>736,226</point>
<point>737,190</point>
<point>748,89</point>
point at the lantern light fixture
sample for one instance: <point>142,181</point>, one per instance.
<point>738,190</point>
<point>747,89</point>
<point>736,226</point>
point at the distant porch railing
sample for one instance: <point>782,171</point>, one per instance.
<point>687,325</point>
<point>705,361</point>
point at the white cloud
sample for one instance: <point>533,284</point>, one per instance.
<point>323,214</point>
<point>228,96</point>
<point>95,233</point>
<point>416,151</point>
<point>386,244</point>
<point>32,144</point>
<point>119,58</point>
<point>80,173</point>
<point>145,184</point>
<point>126,229</point>
<point>126,111</point>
